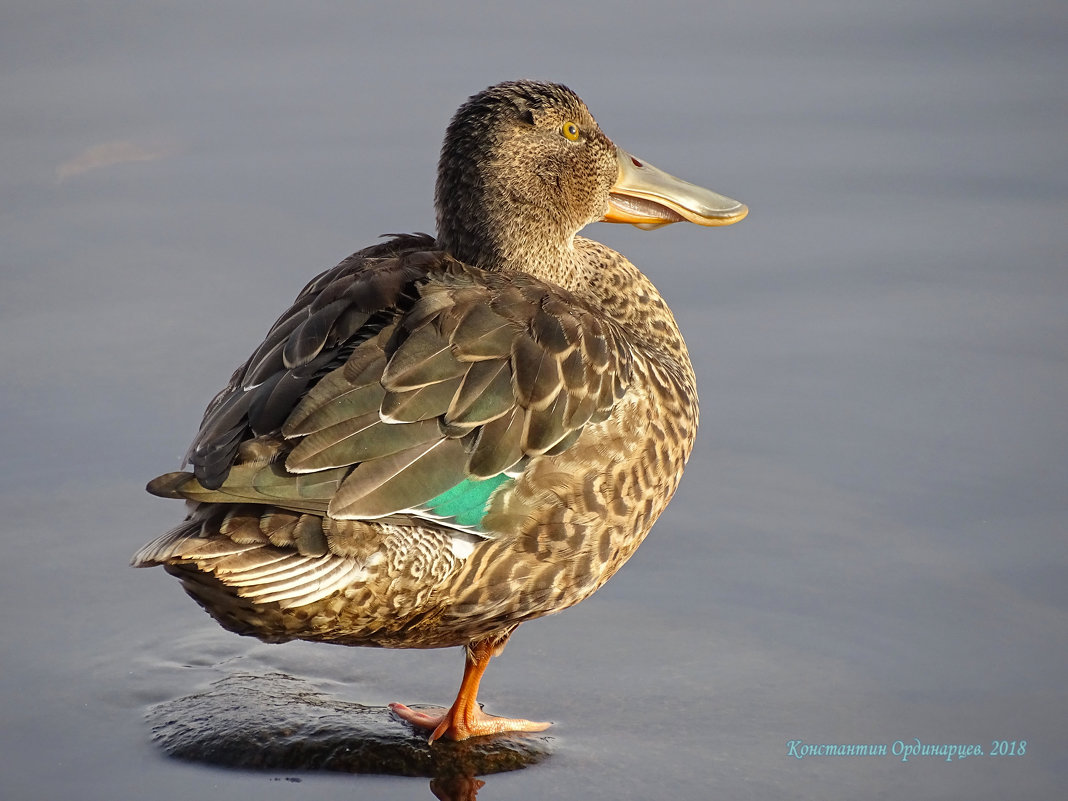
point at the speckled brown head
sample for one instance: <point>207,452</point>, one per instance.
<point>522,163</point>
<point>524,167</point>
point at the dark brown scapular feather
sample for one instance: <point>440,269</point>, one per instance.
<point>549,331</point>
<point>575,372</point>
<point>348,404</point>
<point>605,400</point>
<point>261,412</point>
<point>222,419</point>
<point>499,445</point>
<point>213,461</point>
<point>353,441</point>
<point>348,323</point>
<point>545,427</point>
<point>274,400</point>
<point>333,291</point>
<point>429,401</point>
<point>536,373</point>
<point>580,409</point>
<point>433,300</point>
<point>268,356</point>
<point>348,391</point>
<point>308,338</point>
<point>327,446</point>
<point>264,364</point>
<point>425,357</point>
<point>555,307</point>
<point>482,334</point>
<point>484,394</point>
<point>596,344</point>
<point>568,440</point>
<point>401,481</point>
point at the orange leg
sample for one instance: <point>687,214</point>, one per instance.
<point>465,718</point>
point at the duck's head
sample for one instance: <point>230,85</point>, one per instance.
<point>524,167</point>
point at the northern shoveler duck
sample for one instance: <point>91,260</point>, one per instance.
<point>447,436</point>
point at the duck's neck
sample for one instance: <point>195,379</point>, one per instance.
<point>493,212</point>
<point>504,239</point>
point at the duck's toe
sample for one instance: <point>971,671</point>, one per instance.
<point>459,723</point>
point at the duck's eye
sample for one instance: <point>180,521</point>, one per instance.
<point>570,131</point>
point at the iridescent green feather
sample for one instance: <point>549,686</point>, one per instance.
<point>466,503</point>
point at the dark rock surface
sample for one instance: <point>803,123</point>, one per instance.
<point>278,722</point>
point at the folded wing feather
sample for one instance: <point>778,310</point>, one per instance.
<point>396,376</point>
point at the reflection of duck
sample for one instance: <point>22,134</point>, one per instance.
<point>461,788</point>
<point>444,438</point>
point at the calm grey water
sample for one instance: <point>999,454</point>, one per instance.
<point>870,543</point>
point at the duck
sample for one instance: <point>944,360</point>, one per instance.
<point>447,436</point>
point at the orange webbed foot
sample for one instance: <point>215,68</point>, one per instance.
<point>458,723</point>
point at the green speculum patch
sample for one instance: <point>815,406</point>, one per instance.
<point>466,502</point>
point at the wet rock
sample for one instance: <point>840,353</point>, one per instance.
<point>278,722</point>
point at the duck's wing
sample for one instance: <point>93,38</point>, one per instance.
<point>405,386</point>
<point>331,316</point>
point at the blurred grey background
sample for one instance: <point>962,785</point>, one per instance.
<point>870,542</point>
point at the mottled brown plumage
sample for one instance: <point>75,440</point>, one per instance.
<point>443,438</point>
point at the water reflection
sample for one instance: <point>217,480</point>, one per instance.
<point>456,788</point>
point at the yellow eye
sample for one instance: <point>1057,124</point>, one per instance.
<point>570,131</point>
